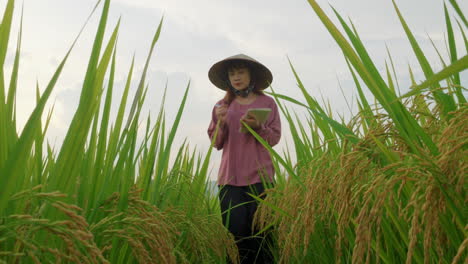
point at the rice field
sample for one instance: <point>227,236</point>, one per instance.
<point>386,186</point>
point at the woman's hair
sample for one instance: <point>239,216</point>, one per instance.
<point>234,65</point>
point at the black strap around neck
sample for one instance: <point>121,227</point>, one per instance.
<point>241,93</point>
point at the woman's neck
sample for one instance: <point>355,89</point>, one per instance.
<point>246,100</point>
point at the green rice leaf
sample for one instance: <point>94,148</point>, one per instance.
<point>87,90</point>
<point>5,28</point>
<point>11,98</point>
<point>271,205</point>
<point>367,111</point>
<point>145,183</point>
<point>463,35</point>
<point>459,12</point>
<point>414,44</point>
<point>405,123</point>
<point>162,166</point>
<point>452,44</point>
<point>143,76</point>
<point>457,66</point>
<point>445,101</point>
<point>97,175</point>
<point>275,154</point>
<point>390,80</point>
<point>393,69</point>
<point>73,144</point>
<point>14,166</point>
<point>115,135</point>
<point>38,148</point>
<point>442,61</point>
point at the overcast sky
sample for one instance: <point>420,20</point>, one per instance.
<point>197,34</point>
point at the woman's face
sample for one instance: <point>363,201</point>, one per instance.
<point>239,78</point>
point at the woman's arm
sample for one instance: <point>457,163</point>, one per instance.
<point>222,131</point>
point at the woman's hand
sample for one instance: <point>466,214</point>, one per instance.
<point>251,121</point>
<point>221,113</point>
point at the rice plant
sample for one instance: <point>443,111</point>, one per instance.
<point>387,186</point>
<point>105,196</point>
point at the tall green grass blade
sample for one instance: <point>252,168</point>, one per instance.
<point>11,98</point>
<point>389,78</point>
<point>86,178</point>
<point>161,171</point>
<point>442,61</point>
<point>146,176</point>
<point>13,168</point>
<point>128,172</point>
<point>303,145</point>
<point>320,116</point>
<point>411,74</point>
<point>445,101</point>
<point>116,131</point>
<point>393,69</point>
<point>271,205</point>
<point>365,59</point>
<point>87,90</point>
<point>38,148</point>
<point>301,152</point>
<point>5,28</point>
<point>77,134</point>
<point>387,97</point>
<point>337,127</point>
<point>143,76</point>
<point>350,108</point>
<point>452,47</point>
<point>416,48</point>
<point>459,12</point>
<point>275,155</point>
<point>407,126</point>
<point>204,168</point>
<point>463,36</point>
<point>98,173</point>
<point>458,66</point>
<point>312,103</point>
<point>9,110</point>
<point>366,109</point>
<point>307,139</point>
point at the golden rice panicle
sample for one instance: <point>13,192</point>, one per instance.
<point>201,236</point>
<point>462,251</point>
<point>452,143</point>
<point>143,227</point>
<point>356,191</point>
<point>31,232</point>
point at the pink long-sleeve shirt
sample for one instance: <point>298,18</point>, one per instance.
<point>244,160</point>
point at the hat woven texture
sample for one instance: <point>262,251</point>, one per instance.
<point>260,74</point>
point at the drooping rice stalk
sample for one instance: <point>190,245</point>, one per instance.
<point>387,186</point>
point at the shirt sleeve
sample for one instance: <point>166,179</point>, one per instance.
<point>222,131</point>
<point>270,131</point>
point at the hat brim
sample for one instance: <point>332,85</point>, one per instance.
<point>260,74</point>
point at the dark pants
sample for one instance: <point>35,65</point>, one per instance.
<point>237,210</point>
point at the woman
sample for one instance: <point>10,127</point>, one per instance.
<point>246,166</point>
